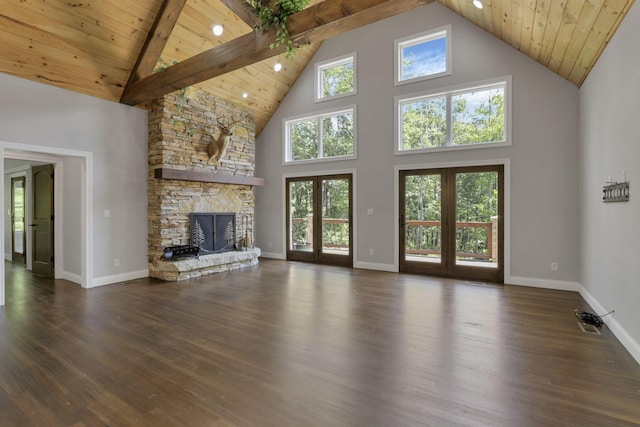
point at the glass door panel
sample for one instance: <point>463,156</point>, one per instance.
<point>336,217</point>
<point>423,209</point>
<point>421,222</point>
<point>300,213</point>
<point>477,219</point>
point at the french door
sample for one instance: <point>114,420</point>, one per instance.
<point>451,222</point>
<point>319,213</point>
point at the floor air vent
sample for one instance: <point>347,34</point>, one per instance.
<point>589,329</point>
<point>468,282</point>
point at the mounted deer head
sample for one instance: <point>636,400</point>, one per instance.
<point>217,147</point>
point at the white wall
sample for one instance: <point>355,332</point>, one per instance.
<point>36,114</point>
<point>544,186</point>
<point>609,145</point>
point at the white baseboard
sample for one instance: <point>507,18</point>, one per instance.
<point>273,255</point>
<point>117,278</point>
<point>559,285</point>
<point>375,266</point>
<point>632,346</point>
<point>71,277</point>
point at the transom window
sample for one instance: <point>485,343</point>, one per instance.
<point>327,136</point>
<point>423,56</point>
<point>467,117</point>
<point>336,78</point>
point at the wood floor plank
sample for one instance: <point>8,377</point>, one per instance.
<point>293,344</point>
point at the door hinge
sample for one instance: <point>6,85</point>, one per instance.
<point>52,258</point>
<point>51,217</point>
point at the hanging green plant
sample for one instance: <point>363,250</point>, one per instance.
<point>276,15</point>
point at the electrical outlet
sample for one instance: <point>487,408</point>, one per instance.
<point>116,262</point>
<point>107,213</point>
<point>370,251</point>
<point>554,266</point>
<point>270,245</point>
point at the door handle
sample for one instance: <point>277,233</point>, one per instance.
<point>33,225</point>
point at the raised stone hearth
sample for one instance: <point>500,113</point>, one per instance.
<point>188,268</point>
<point>185,179</point>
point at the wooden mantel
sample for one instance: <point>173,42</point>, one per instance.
<point>197,176</point>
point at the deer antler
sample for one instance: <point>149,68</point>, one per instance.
<point>217,147</point>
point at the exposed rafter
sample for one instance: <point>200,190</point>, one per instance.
<point>242,10</point>
<point>157,39</point>
<point>316,23</point>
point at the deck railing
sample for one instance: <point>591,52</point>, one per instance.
<point>488,226</point>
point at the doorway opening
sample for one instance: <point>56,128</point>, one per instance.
<point>319,211</point>
<point>79,225</point>
<point>452,222</point>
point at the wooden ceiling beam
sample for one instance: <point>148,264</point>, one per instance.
<point>157,39</point>
<point>316,23</point>
<point>331,18</point>
<point>243,11</point>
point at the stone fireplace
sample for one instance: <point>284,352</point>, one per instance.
<point>184,180</point>
<point>213,232</point>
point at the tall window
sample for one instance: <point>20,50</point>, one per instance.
<point>454,119</point>
<point>336,78</point>
<point>326,136</point>
<point>423,56</point>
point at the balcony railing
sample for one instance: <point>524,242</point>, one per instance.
<point>302,229</point>
<point>488,226</point>
<point>490,245</point>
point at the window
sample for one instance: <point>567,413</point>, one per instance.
<point>326,136</point>
<point>423,56</point>
<point>336,78</point>
<point>465,117</point>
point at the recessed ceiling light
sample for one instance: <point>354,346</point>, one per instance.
<point>277,67</point>
<point>218,30</point>
<point>478,4</point>
<point>245,95</point>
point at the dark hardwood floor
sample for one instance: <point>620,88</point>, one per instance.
<point>292,344</point>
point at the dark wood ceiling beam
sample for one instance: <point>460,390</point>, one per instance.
<point>332,18</point>
<point>316,23</point>
<point>243,11</point>
<point>157,39</point>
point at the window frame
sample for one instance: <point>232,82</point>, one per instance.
<point>318,116</point>
<point>448,93</point>
<point>334,62</point>
<point>416,39</point>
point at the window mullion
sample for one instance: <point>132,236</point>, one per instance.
<point>320,138</point>
<point>449,130</point>
<point>289,142</point>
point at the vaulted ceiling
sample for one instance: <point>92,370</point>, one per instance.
<point>110,48</point>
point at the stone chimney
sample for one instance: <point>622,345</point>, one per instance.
<point>181,126</point>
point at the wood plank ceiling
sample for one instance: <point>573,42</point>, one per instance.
<point>92,47</point>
